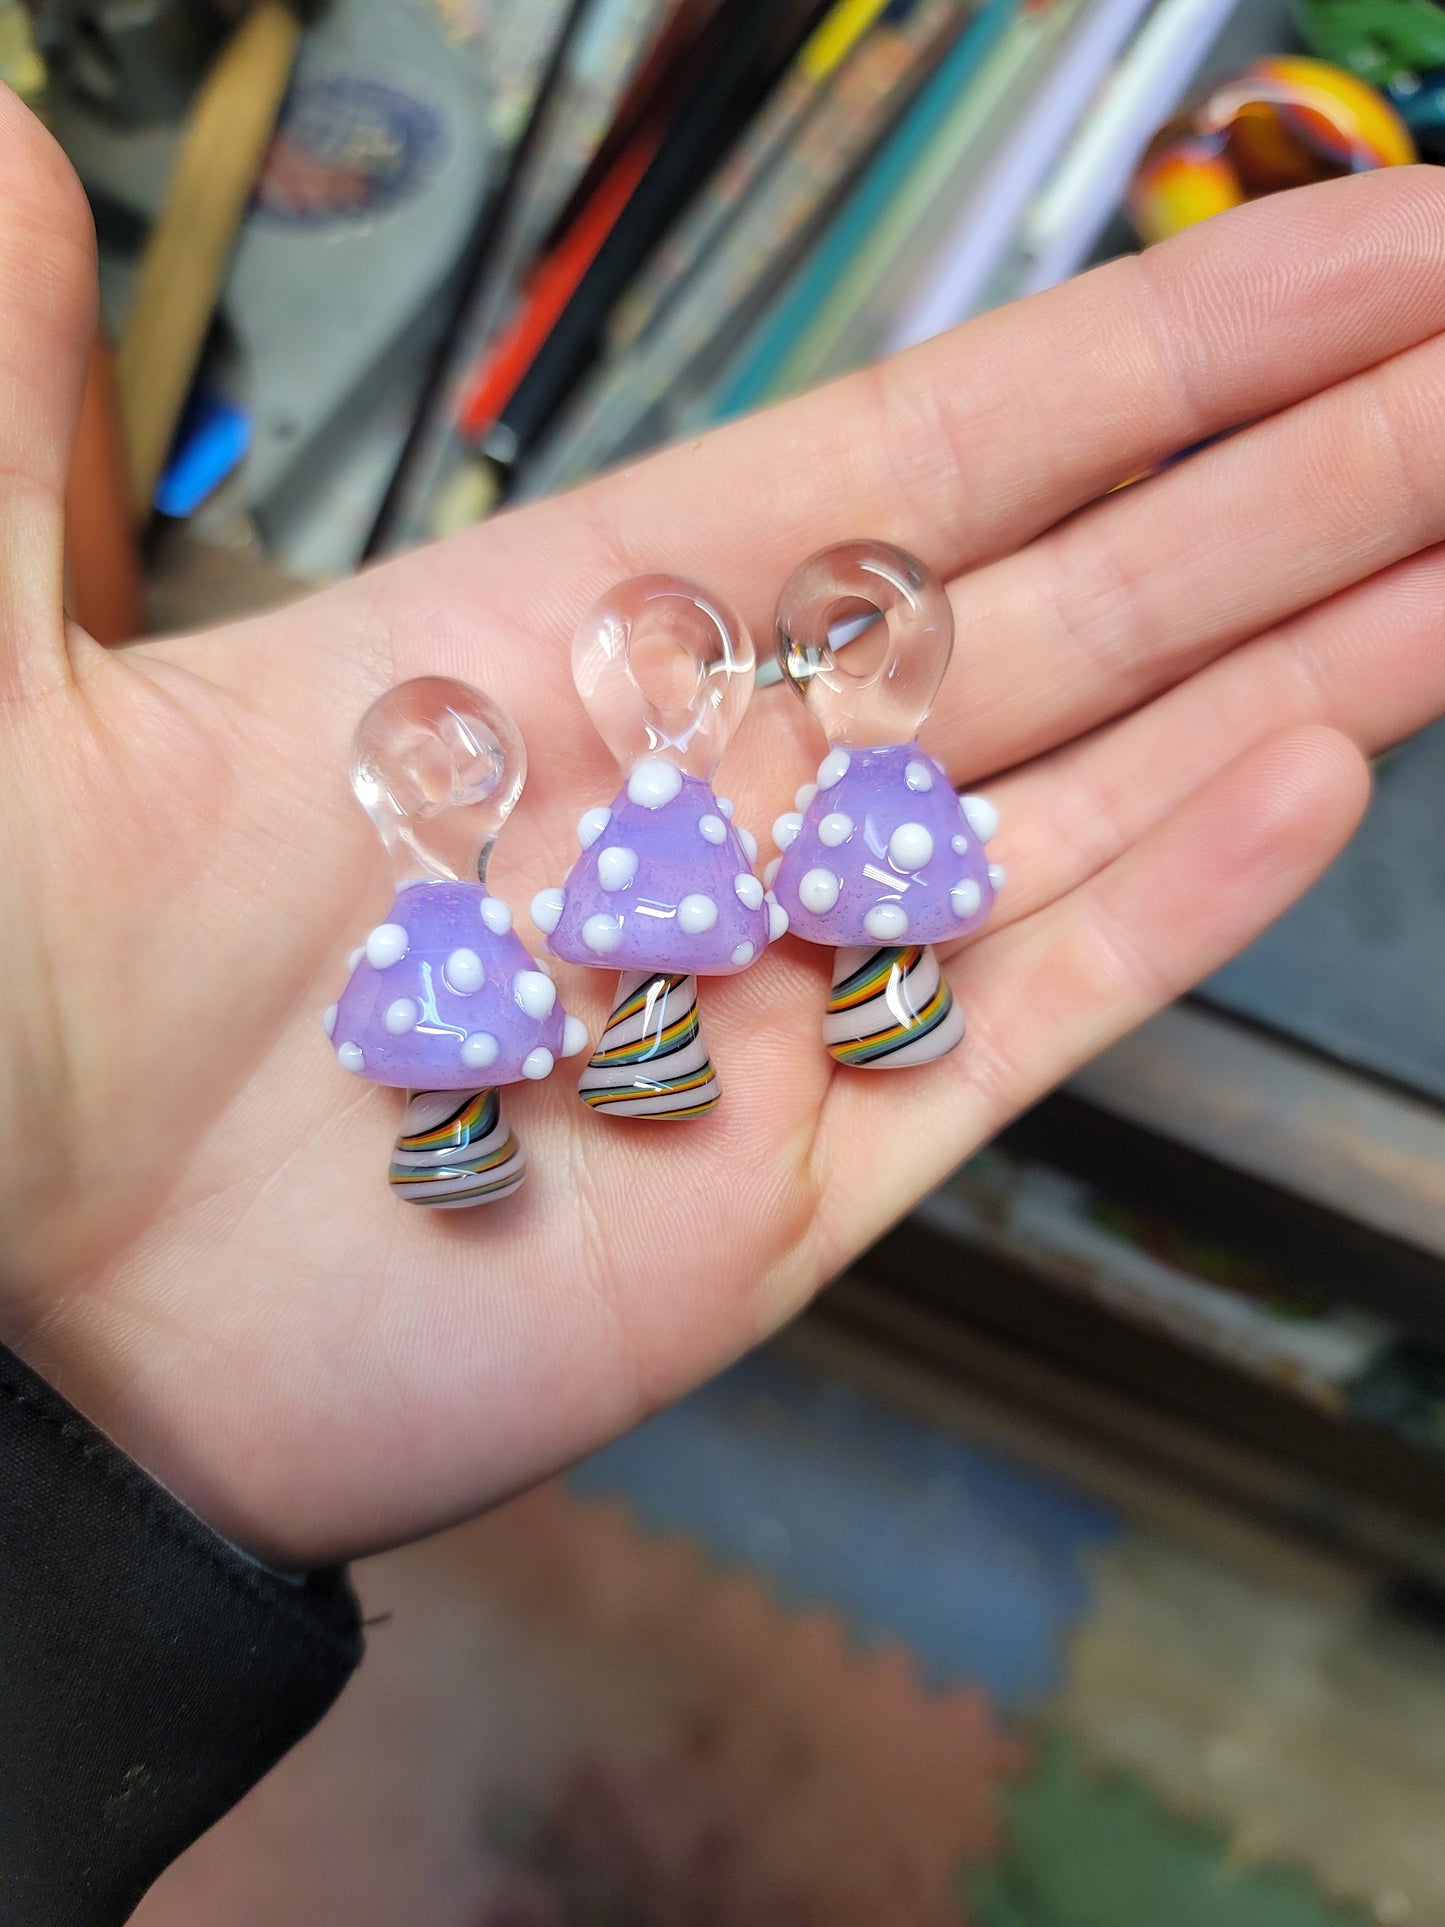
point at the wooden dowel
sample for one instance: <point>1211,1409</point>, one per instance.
<point>180,274</point>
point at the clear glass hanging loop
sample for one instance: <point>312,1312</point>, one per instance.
<point>665,670</point>
<point>882,693</point>
<point>438,768</point>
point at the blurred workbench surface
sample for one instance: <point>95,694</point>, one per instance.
<point>1316,1060</point>
<point>1285,1114</point>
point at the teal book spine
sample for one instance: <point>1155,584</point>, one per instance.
<point>748,381</point>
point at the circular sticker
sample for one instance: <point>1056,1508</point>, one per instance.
<point>345,149</point>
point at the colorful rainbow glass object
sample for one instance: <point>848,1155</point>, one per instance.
<point>881,859</point>
<point>664,886</point>
<point>1285,121</point>
<point>444,1000</point>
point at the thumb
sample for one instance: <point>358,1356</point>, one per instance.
<point>47,318</point>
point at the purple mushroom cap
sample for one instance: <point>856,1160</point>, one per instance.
<point>884,853</point>
<point>664,882</point>
<point>444,996</point>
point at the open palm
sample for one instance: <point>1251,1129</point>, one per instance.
<point>1169,691</point>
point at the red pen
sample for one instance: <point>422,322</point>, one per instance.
<point>494,380</point>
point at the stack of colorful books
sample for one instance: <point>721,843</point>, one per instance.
<point>716,203</point>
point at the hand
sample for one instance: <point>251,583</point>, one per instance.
<point>1171,693</point>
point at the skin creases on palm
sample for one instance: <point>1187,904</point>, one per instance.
<point>1171,691</point>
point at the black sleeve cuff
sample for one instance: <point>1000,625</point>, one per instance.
<point>149,1673</point>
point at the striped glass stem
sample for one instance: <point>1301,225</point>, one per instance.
<point>455,1150</point>
<point>652,1060</point>
<point>890,1007</point>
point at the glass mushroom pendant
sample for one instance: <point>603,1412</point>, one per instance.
<point>664,888</point>
<point>881,859</point>
<point>443,1000</point>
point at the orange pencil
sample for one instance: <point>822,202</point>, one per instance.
<point>495,379</point>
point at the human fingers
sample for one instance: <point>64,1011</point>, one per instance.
<point>1366,662</point>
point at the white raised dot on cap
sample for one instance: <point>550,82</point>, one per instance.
<point>749,890</point>
<point>463,972</point>
<point>574,1037</point>
<point>777,918</point>
<point>965,896</point>
<point>835,828</point>
<point>496,915</point>
<point>770,871</point>
<point>616,867</point>
<point>653,783</point>
<point>547,908</point>
<point>697,913</point>
<point>356,956</point>
<point>743,954</point>
<point>349,1057</point>
<point>725,805</point>
<point>538,1063</point>
<point>886,921</point>
<point>535,993</point>
<point>591,823</point>
<point>479,1051</point>
<point>981,814</point>
<point>749,843</point>
<point>818,890</point>
<point>328,1020</point>
<point>401,1016</point>
<point>997,875</point>
<point>959,844</point>
<point>833,768</point>
<point>805,796</point>
<point>918,776</point>
<point>713,828</point>
<point>386,945</point>
<point>786,828</point>
<point>602,933</point>
<point>910,847</point>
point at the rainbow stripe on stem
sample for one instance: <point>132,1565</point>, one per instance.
<point>456,1150</point>
<point>890,1007</point>
<point>652,1060</point>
